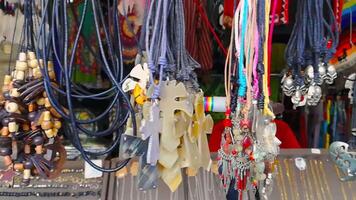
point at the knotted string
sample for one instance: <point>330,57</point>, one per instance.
<point>310,38</point>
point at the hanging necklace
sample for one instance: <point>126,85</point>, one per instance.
<point>308,53</point>
<point>245,145</point>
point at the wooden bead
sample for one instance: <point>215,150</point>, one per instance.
<point>40,101</point>
<point>27,149</point>
<point>11,107</point>
<point>31,107</point>
<point>30,72</point>
<point>52,75</point>
<point>20,75</point>
<point>26,174</point>
<point>14,93</point>
<point>55,132</point>
<point>50,66</point>
<point>57,124</point>
<point>46,123</point>
<point>21,66</point>
<point>22,57</point>
<point>39,149</point>
<point>33,63</point>
<point>4,131</point>
<point>47,103</point>
<point>49,133</point>
<point>37,72</point>
<point>13,127</point>
<point>7,160</point>
<point>47,116</point>
<point>18,166</point>
<point>31,55</point>
<point>25,127</point>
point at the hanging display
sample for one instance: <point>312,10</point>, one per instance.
<point>312,44</point>
<point>29,136</point>
<point>249,145</point>
<point>169,105</point>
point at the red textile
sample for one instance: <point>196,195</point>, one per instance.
<point>198,39</point>
<point>284,134</point>
<point>280,18</point>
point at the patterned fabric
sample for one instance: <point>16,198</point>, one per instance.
<point>198,38</point>
<point>281,17</point>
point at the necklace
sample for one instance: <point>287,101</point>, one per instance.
<point>319,178</point>
<point>308,52</point>
<point>294,182</point>
<point>317,186</point>
<point>323,173</point>
<point>290,178</point>
<point>281,179</point>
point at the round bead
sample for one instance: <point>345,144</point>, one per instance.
<point>31,55</point>
<point>13,127</point>
<point>11,107</point>
<point>288,82</point>
<point>317,90</point>
<point>49,133</point>
<point>22,57</point>
<point>331,69</point>
<point>21,66</point>
<point>20,75</point>
<point>57,124</point>
<point>14,93</point>
<point>40,101</point>
<point>33,63</point>
<point>322,70</point>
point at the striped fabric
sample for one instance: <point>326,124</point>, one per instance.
<point>198,38</point>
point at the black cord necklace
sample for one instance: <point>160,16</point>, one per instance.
<point>111,61</point>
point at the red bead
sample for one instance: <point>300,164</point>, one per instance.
<point>329,44</point>
<point>228,111</point>
<point>227,123</point>
<point>234,152</point>
<point>247,142</point>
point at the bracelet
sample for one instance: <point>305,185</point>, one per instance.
<point>323,174</point>
<point>309,183</point>
<point>315,180</point>
<point>292,188</point>
<point>342,184</point>
<point>318,176</point>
